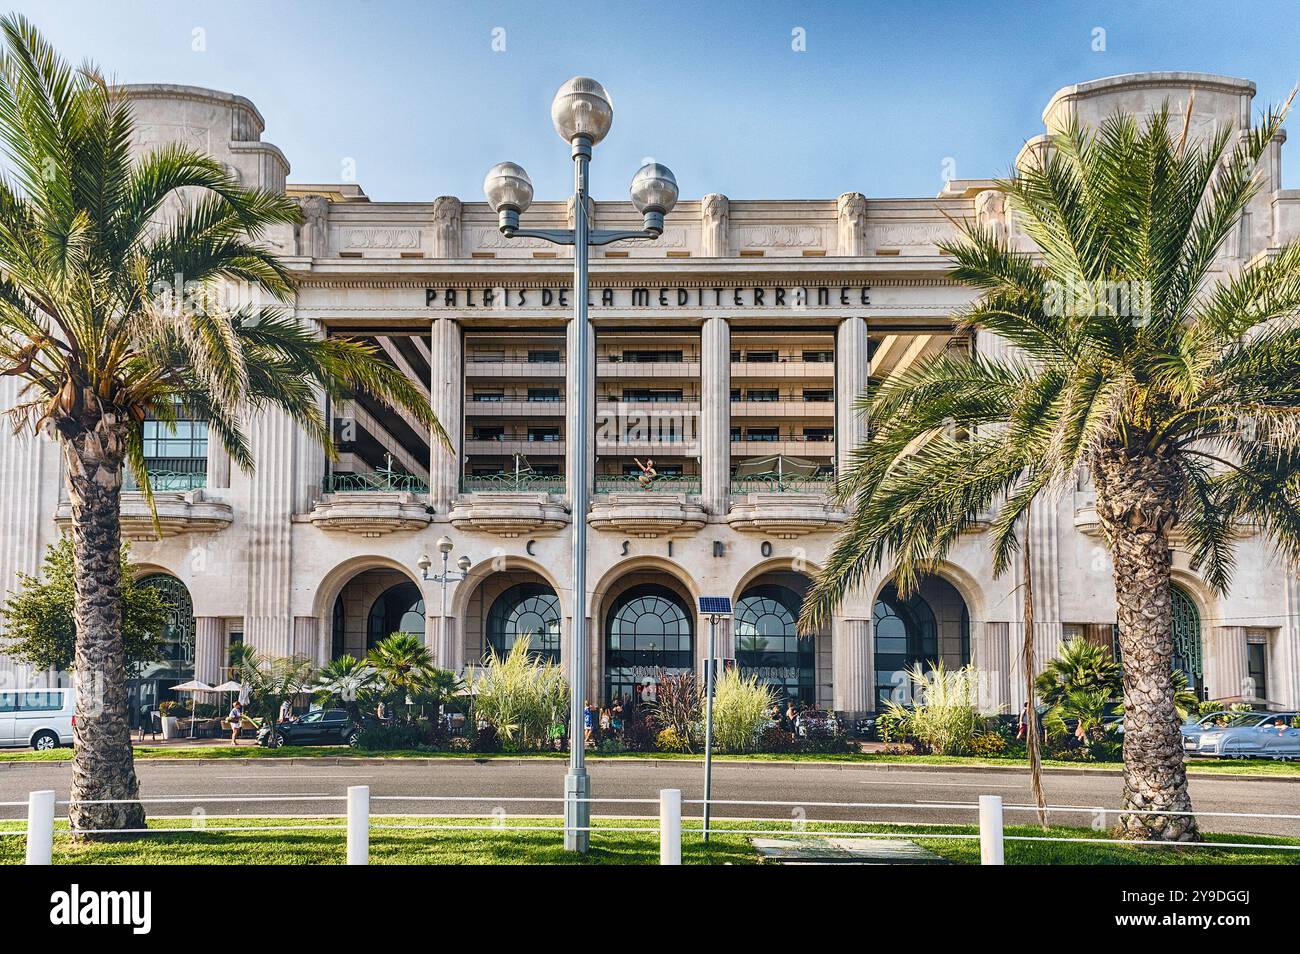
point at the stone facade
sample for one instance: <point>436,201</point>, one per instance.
<point>753,324</point>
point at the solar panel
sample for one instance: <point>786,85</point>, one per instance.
<point>715,605</point>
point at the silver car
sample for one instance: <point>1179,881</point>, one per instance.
<point>1269,735</point>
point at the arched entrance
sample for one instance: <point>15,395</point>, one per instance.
<point>152,684</point>
<point>931,625</point>
<point>371,606</point>
<point>526,611</point>
<point>768,644</point>
<point>649,633</point>
<point>1187,640</point>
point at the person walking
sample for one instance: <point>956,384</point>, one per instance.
<point>236,720</point>
<point>286,711</point>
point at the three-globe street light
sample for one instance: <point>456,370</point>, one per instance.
<point>447,575</point>
<point>582,114</point>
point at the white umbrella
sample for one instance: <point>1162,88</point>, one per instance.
<point>192,687</point>
<point>228,686</point>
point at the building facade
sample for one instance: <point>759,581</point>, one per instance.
<point>728,355</point>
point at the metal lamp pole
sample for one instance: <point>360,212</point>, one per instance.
<point>446,576</point>
<point>582,114</point>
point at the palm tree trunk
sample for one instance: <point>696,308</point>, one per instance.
<point>102,764</point>
<point>1134,495</point>
<point>1033,736</point>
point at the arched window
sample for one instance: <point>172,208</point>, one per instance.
<point>905,634</point>
<point>399,609</point>
<point>1187,640</point>
<point>528,611</point>
<point>648,633</point>
<point>338,628</point>
<point>768,645</point>
<point>178,630</point>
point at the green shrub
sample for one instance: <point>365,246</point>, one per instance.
<point>486,739</point>
<point>460,743</point>
<point>670,740</point>
<point>741,709</point>
<point>389,738</point>
<point>678,706</point>
<point>988,744</point>
<point>520,697</point>
<point>776,740</point>
<point>826,743</point>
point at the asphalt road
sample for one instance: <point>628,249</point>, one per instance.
<point>919,790</point>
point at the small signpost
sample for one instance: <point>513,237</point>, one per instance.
<point>716,608</point>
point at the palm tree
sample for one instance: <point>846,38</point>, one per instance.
<point>270,679</point>
<point>90,242</point>
<point>1175,386</point>
<point>403,665</point>
<point>1081,666</point>
<point>343,681</point>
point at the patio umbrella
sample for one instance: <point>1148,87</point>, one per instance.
<point>193,687</point>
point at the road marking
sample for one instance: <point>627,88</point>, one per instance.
<point>278,777</point>
<point>932,784</point>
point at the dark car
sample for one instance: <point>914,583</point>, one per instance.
<point>321,727</point>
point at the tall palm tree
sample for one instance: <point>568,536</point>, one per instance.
<point>1175,386</point>
<point>90,242</point>
<point>343,681</point>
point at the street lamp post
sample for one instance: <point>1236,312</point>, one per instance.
<point>446,576</point>
<point>582,114</point>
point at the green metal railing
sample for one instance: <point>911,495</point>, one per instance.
<point>783,484</point>
<point>378,482</point>
<point>514,483</point>
<point>634,483</point>
<point>169,480</point>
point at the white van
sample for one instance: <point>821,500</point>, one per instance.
<point>41,718</point>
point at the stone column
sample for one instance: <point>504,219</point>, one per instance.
<point>714,435</point>
<point>853,658</point>
<point>1230,673</point>
<point>571,408</point>
<point>209,649</point>
<point>446,391</point>
<point>308,642</point>
<point>446,227</point>
<point>851,370</point>
<point>715,218</point>
<point>992,651</point>
<point>268,622</point>
<point>218,463</point>
<point>1285,674</point>
<point>851,215</point>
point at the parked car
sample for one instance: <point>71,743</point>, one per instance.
<point>815,722</point>
<point>1193,729</point>
<point>41,718</point>
<point>319,727</point>
<point>1269,735</point>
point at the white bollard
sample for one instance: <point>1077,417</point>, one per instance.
<point>358,824</point>
<point>991,830</point>
<point>670,826</point>
<point>40,828</point>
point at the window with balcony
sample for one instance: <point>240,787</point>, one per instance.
<point>651,357</point>
<point>652,395</point>
<point>735,434</point>
<point>487,357</point>
<point>488,433</point>
<point>763,434</point>
<point>545,395</point>
<point>818,395</point>
<point>544,434</point>
<point>489,397</point>
<point>175,454</point>
<point>819,357</point>
<point>760,357</point>
<point>762,394</point>
<point>818,433</point>
<point>735,394</point>
<point>544,357</point>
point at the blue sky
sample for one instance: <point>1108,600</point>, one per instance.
<point>884,95</point>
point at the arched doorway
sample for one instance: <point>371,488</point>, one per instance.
<point>526,611</point>
<point>649,632</point>
<point>769,646</point>
<point>932,624</point>
<point>399,609</point>
<point>152,684</point>
<point>372,605</point>
<point>1187,640</point>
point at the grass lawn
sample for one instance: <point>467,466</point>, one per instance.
<point>1224,767</point>
<point>451,846</point>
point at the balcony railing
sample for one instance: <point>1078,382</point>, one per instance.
<point>783,484</point>
<point>514,483</point>
<point>168,480</point>
<point>373,483</point>
<point>636,483</point>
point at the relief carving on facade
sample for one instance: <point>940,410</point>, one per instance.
<point>780,236</point>
<point>312,234</point>
<point>446,227</point>
<point>851,209</point>
<point>715,218</point>
<point>381,238</point>
<point>991,212</point>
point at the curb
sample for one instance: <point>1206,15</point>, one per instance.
<point>882,767</point>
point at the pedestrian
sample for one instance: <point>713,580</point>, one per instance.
<point>588,723</point>
<point>286,711</point>
<point>381,711</point>
<point>1022,728</point>
<point>236,720</point>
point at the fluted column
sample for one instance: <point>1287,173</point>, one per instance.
<point>446,390</point>
<point>1286,672</point>
<point>209,649</point>
<point>218,463</point>
<point>268,624</point>
<point>1230,673</point>
<point>715,415</point>
<point>851,370</point>
<point>853,663</point>
<point>992,645</point>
